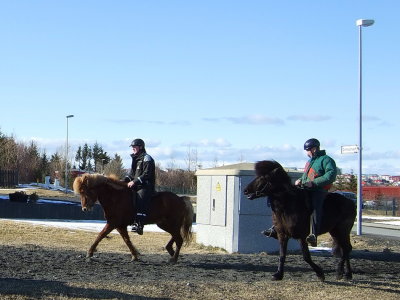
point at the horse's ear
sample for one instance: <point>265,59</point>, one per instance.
<point>85,180</point>
<point>280,174</point>
<point>277,172</point>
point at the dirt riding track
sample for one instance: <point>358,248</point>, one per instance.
<point>39,262</point>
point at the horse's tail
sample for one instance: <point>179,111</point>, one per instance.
<point>186,228</point>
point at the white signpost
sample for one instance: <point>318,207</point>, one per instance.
<point>349,149</point>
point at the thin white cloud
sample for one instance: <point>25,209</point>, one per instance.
<point>249,119</point>
<point>370,119</point>
<point>152,122</point>
<point>219,142</point>
<point>309,118</point>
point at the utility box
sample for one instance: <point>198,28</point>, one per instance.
<point>226,218</point>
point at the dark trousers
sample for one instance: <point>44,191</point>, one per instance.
<point>317,201</point>
<point>143,197</point>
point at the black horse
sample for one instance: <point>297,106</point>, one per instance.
<point>291,216</point>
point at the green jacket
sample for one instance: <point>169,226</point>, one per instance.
<point>320,170</point>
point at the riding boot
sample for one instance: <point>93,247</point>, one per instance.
<point>317,198</point>
<point>139,224</point>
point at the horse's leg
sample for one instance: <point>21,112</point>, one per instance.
<point>125,236</point>
<point>307,257</point>
<point>169,247</point>
<point>342,248</point>
<point>106,230</point>
<point>174,230</point>
<point>349,272</point>
<point>338,252</point>
<point>346,246</point>
<point>278,275</point>
<point>178,242</point>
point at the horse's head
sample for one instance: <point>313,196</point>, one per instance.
<point>91,186</point>
<point>85,187</point>
<point>259,187</point>
<point>269,175</point>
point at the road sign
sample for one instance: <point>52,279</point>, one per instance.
<point>349,149</point>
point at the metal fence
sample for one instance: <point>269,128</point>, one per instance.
<point>8,178</point>
<point>176,190</point>
<point>388,207</point>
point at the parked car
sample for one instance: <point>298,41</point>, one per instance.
<point>371,204</point>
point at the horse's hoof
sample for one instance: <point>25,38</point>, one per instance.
<point>321,277</point>
<point>348,276</point>
<point>277,276</point>
<point>339,276</point>
<point>172,261</point>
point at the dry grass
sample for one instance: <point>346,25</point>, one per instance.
<point>18,234</point>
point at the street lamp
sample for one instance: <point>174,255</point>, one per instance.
<point>66,157</point>
<point>360,23</point>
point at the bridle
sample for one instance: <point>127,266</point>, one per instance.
<point>261,193</point>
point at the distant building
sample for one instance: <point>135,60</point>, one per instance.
<point>381,192</point>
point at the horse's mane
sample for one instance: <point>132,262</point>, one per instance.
<point>264,167</point>
<point>94,180</point>
<point>275,171</point>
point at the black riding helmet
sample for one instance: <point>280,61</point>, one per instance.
<point>137,142</point>
<point>311,143</point>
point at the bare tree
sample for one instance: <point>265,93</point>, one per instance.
<point>191,159</point>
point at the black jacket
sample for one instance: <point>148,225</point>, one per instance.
<point>143,171</point>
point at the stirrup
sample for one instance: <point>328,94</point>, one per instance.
<point>137,228</point>
<point>312,240</point>
<point>270,232</point>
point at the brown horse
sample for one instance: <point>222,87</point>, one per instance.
<point>170,212</point>
<point>291,216</point>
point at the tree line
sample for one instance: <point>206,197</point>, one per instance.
<point>33,165</point>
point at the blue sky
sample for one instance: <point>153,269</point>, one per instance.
<point>231,80</point>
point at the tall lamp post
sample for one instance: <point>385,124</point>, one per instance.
<point>360,23</point>
<point>66,157</point>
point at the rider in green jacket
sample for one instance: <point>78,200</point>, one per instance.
<point>319,174</point>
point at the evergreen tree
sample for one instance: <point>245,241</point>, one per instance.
<point>352,184</point>
<point>33,157</point>
<point>340,183</point>
<point>44,167</point>
<point>86,156</point>
<point>115,166</point>
<point>78,156</point>
<point>100,158</point>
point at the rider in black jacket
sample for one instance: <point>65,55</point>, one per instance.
<point>142,180</point>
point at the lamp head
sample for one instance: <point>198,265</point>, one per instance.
<point>364,22</point>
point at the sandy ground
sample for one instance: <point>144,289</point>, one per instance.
<point>40,262</point>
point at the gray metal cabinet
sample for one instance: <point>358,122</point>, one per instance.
<point>225,217</point>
